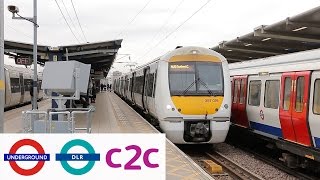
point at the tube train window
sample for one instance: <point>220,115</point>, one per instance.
<point>242,92</point>
<point>287,93</point>
<point>271,94</point>
<point>316,96</point>
<point>299,94</point>
<point>235,89</point>
<point>15,85</point>
<point>254,93</point>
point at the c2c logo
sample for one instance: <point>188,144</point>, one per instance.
<point>64,157</point>
<point>129,165</point>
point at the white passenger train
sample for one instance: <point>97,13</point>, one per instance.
<point>186,90</point>
<point>17,85</point>
<point>279,99</point>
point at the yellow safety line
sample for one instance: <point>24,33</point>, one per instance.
<point>2,85</point>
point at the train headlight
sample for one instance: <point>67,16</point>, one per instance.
<point>169,107</point>
<point>226,106</point>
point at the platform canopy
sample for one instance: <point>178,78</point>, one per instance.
<point>293,34</point>
<point>100,55</point>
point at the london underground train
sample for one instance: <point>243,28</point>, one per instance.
<point>187,91</point>
<point>17,85</point>
<point>278,99</point>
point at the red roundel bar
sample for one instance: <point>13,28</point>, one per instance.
<point>18,169</point>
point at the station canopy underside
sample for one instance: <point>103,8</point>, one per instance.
<point>100,55</point>
<point>294,34</point>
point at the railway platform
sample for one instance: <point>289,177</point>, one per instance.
<point>113,115</point>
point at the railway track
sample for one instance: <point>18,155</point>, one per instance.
<point>230,169</point>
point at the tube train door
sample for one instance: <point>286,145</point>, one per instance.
<point>293,110</point>
<point>239,114</point>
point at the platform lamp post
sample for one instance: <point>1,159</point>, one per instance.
<point>2,67</point>
<point>15,11</point>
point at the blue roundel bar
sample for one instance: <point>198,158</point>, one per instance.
<point>77,157</point>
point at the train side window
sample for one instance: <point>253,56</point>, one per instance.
<point>235,90</point>
<point>316,96</point>
<point>271,94</point>
<point>287,93</point>
<point>254,93</point>
<point>242,92</point>
<point>299,94</point>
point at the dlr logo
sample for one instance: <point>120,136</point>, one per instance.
<point>130,164</point>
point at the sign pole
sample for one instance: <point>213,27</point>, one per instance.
<point>2,80</point>
<point>35,60</point>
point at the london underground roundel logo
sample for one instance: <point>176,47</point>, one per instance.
<point>64,157</point>
<point>13,157</point>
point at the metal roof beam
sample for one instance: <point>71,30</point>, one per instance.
<point>231,48</point>
<point>261,32</point>
<point>23,52</point>
<point>275,45</point>
<point>103,51</point>
<point>234,60</point>
<point>302,24</point>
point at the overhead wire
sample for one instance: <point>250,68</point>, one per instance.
<point>166,22</point>
<point>73,25</point>
<point>176,29</point>
<point>74,9</point>
<point>133,19</point>
<point>67,22</point>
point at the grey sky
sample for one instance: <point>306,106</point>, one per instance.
<point>105,19</point>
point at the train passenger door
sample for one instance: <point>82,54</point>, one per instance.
<point>239,114</point>
<point>21,82</point>
<point>145,89</point>
<point>294,107</point>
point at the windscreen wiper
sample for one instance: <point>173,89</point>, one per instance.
<point>206,86</point>
<point>187,89</point>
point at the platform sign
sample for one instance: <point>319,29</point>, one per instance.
<point>83,156</point>
<point>23,60</point>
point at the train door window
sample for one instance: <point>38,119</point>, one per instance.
<point>316,96</point>
<point>242,92</point>
<point>299,94</point>
<point>150,84</point>
<point>15,85</point>
<point>287,93</point>
<point>155,84</point>
<point>271,94</point>
<point>27,84</point>
<point>235,90</point>
<point>254,93</point>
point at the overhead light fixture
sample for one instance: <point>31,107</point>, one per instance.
<point>299,29</point>
<point>229,50</point>
<point>287,49</point>
<point>266,39</point>
<point>248,45</point>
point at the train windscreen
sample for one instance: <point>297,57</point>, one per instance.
<point>195,78</point>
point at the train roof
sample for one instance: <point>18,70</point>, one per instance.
<point>305,60</point>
